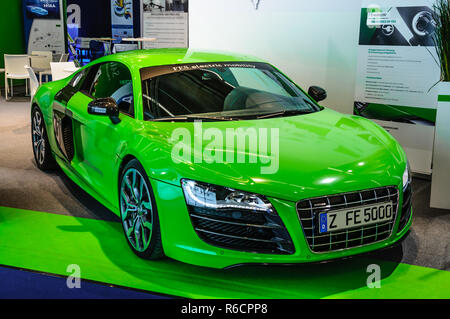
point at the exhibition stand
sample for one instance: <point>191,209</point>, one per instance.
<point>379,67</point>
<point>440,183</point>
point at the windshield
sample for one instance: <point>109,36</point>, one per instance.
<point>220,91</point>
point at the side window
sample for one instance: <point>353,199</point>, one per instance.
<point>113,79</point>
<point>73,87</point>
<point>77,80</point>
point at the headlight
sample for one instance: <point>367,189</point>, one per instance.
<point>213,197</point>
<point>235,219</point>
<point>406,176</point>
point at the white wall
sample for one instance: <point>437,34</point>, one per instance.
<point>313,42</point>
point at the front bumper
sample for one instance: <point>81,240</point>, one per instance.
<point>181,242</point>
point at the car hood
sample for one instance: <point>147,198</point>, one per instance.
<point>319,153</point>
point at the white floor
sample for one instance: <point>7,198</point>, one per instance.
<point>22,184</point>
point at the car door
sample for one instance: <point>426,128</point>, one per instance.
<point>61,136</point>
<point>96,137</point>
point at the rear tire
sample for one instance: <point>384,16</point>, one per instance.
<point>138,212</point>
<point>41,147</point>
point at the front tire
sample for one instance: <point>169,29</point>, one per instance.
<point>41,146</point>
<point>138,212</point>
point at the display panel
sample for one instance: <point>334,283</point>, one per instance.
<point>122,18</point>
<point>167,21</point>
<point>44,26</point>
<point>43,9</point>
<point>397,69</point>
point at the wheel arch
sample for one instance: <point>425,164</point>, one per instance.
<point>35,104</point>
<point>44,111</point>
<point>125,160</point>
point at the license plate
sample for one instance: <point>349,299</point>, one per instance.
<point>355,217</point>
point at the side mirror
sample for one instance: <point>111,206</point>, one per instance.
<point>105,106</point>
<point>317,93</point>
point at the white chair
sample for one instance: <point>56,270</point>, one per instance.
<point>40,62</point>
<point>61,70</point>
<point>48,72</point>
<point>34,83</point>
<point>15,70</point>
<point>2,71</point>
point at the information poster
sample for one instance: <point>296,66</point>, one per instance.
<point>44,26</point>
<point>167,21</point>
<point>122,18</point>
<point>397,65</point>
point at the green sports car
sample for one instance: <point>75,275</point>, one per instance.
<point>218,159</point>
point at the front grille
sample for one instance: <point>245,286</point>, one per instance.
<point>406,207</point>
<point>244,231</point>
<point>309,209</point>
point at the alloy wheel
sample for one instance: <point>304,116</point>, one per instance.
<point>38,138</point>
<point>136,209</point>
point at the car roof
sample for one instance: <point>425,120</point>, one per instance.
<point>138,59</point>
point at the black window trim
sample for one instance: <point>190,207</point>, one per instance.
<point>91,76</point>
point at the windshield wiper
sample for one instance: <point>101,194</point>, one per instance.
<point>192,118</point>
<point>284,113</point>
